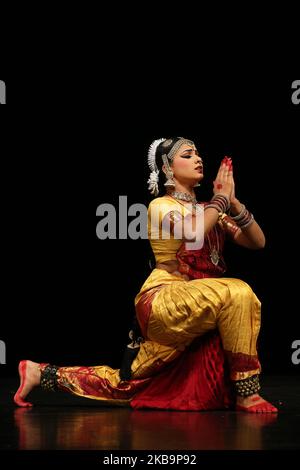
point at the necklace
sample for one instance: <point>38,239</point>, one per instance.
<point>184,197</point>
<point>214,251</point>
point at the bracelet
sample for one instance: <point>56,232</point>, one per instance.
<point>228,224</point>
<point>248,222</point>
<point>244,219</point>
<point>223,197</point>
<point>222,201</point>
<point>240,215</point>
<point>218,205</point>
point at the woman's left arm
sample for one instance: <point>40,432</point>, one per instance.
<point>250,237</point>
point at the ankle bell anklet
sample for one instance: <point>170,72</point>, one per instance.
<point>49,378</point>
<point>247,387</point>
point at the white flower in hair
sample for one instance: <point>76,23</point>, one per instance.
<point>153,183</point>
<point>153,179</point>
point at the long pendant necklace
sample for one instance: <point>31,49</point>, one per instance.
<point>214,252</point>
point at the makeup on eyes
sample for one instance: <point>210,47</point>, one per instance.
<point>184,155</point>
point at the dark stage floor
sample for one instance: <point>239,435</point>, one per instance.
<point>63,422</point>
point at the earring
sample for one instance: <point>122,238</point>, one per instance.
<point>170,182</point>
<point>197,185</point>
<point>169,173</point>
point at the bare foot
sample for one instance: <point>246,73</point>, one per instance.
<point>30,376</point>
<point>254,404</point>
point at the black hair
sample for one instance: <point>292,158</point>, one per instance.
<point>160,151</point>
<point>135,333</point>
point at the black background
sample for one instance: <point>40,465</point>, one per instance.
<point>70,145</point>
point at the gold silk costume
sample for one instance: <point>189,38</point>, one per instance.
<point>173,313</point>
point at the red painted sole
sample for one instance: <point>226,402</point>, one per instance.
<point>261,408</point>
<point>22,373</point>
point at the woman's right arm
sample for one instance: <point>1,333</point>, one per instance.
<point>222,187</point>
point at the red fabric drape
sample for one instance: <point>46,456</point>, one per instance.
<point>197,380</point>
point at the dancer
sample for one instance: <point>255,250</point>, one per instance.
<point>199,329</point>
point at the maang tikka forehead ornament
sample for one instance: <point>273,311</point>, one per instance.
<point>166,157</point>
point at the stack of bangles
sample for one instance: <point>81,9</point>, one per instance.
<point>244,218</point>
<point>220,202</point>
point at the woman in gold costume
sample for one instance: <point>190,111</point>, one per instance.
<point>199,329</point>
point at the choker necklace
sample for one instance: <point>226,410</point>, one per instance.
<point>184,197</point>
